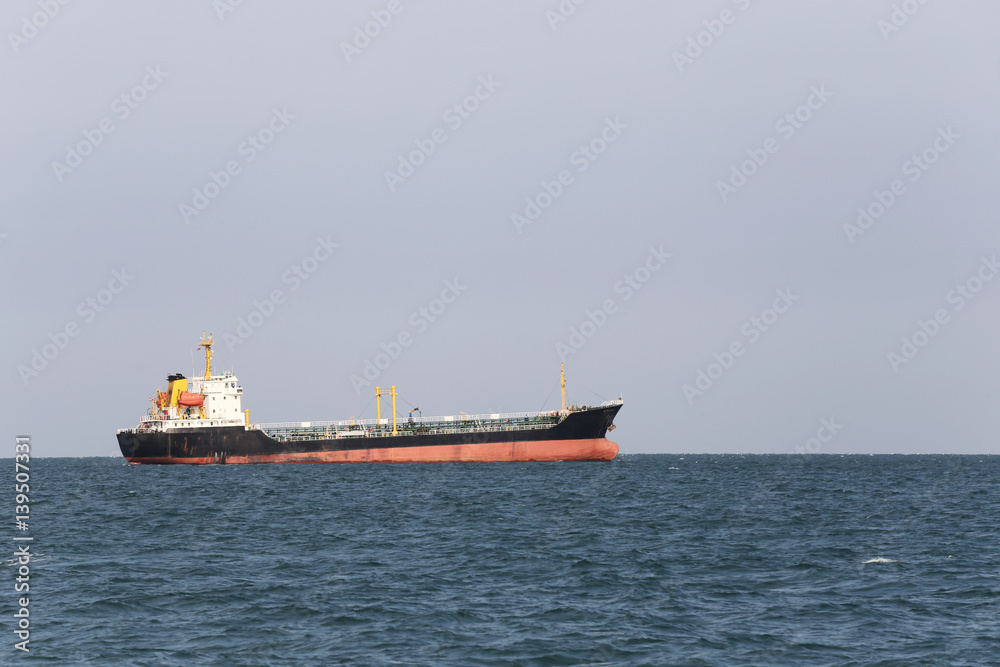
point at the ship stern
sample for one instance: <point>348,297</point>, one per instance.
<point>126,442</point>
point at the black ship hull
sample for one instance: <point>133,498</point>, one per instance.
<point>578,437</point>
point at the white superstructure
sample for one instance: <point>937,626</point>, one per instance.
<point>212,400</point>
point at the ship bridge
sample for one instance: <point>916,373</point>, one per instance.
<point>209,400</point>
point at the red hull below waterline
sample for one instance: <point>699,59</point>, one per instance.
<point>593,449</point>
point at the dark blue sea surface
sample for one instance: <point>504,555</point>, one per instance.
<point>647,560</point>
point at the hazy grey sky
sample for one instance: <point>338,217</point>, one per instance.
<point>685,176</point>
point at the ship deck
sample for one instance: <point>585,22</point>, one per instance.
<point>375,428</point>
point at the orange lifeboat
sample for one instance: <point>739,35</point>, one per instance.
<point>187,399</point>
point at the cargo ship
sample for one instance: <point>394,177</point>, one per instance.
<point>201,420</point>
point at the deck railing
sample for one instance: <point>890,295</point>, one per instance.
<point>456,419</point>
<point>371,428</point>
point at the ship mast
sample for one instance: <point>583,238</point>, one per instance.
<point>562,380</point>
<point>207,344</point>
<point>379,393</point>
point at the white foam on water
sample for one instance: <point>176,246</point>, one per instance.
<point>880,560</point>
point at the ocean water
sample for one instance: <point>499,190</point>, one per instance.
<point>647,560</point>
